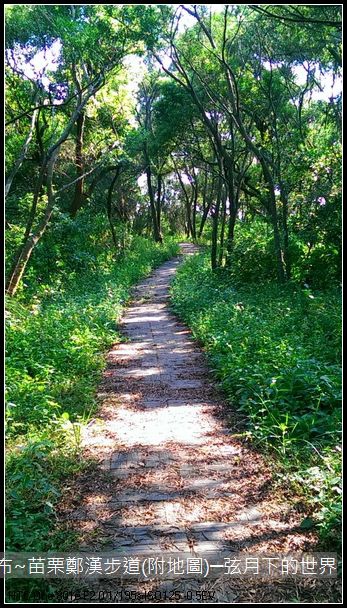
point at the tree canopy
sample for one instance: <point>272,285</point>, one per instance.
<point>233,118</point>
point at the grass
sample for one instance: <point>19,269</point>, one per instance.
<point>276,352</point>
<point>55,344</point>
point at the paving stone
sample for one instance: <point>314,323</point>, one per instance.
<point>184,403</point>
<point>153,403</point>
<point>164,419</point>
<point>251,514</point>
<point>192,471</point>
<point>147,496</point>
<point>186,384</point>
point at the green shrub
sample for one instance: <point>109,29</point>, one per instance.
<point>253,256</point>
<point>277,352</point>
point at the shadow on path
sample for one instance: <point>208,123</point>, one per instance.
<point>172,478</point>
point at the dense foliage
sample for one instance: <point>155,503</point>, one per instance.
<point>56,345</point>
<point>277,355</point>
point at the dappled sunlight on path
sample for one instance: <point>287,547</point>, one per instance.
<point>176,477</point>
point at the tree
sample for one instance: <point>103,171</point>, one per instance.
<point>247,109</point>
<point>81,73</point>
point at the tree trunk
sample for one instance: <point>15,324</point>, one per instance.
<point>159,189</point>
<point>286,253</point>
<point>34,238</point>
<point>156,232</point>
<point>77,200</point>
<point>49,158</point>
<point>252,147</point>
<point>233,205</point>
<point>277,243</point>
<point>222,231</point>
<point>214,244</point>
<point>203,220</point>
<point>22,154</point>
<point>195,202</point>
<point>30,220</point>
<point>272,207</point>
<point>189,230</point>
<point>206,205</point>
<point>109,208</point>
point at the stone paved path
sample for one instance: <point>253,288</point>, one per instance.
<point>175,477</point>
